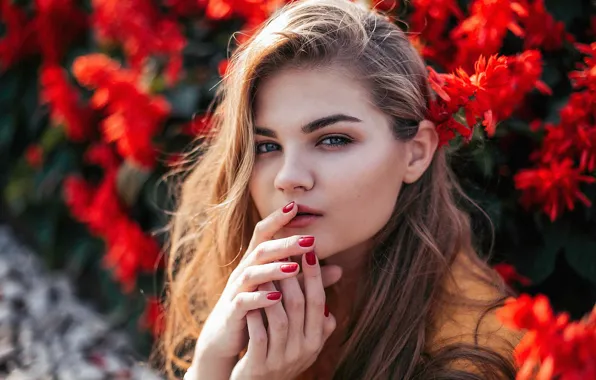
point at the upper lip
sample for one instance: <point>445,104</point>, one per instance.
<point>308,210</point>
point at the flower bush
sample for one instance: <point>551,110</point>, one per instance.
<point>99,98</point>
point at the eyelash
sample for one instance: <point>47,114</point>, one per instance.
<point>345,141</point>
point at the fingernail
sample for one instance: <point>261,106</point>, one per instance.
<point>274,296</point>
<point>311,259</point>
<point>289,268</point>
<point>306,241</point>
<point>287,208</point>
<point>326,311</point>
<point>285,259</point>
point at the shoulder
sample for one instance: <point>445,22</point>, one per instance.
<point>467,314</point>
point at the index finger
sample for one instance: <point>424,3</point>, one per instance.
<point>270,225</point>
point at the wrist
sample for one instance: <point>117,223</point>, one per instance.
<point>209,366</point>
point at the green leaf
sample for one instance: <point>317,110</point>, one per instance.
<point>8,89</point>
<point>7,129</point>
<point>538,261</point>
<point>580,252</point>
<point>52,137</point>
<point>130,180</point>
<point>184,100</point>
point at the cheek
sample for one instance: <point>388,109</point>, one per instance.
<point>365,198</point>
<point>257,187</point>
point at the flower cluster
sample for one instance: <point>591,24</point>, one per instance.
<point>553,346</point>
<point>491,93</point>
<point>554,182</point>
<point>133,116</point>
<point>129,250</point>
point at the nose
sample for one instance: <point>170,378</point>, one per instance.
<point>294,174</point>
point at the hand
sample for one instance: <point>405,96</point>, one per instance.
<point>225,333</point>
<point>296,331</point>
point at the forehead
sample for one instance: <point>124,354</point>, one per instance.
<point>301,95</point>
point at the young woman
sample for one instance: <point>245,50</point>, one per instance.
<point>317,236</point>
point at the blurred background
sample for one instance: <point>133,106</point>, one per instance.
<point>99,98</point>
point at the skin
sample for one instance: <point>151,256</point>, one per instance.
<point>352,172</point>
<point>354,185</point>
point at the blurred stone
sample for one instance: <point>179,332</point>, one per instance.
<point>47,333</point>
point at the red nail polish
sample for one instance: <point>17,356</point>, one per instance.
<point>285,259</point>
<point>287,208</point>
<point>289,268</point>
<point>326,311</point>
<point>306,241</point>
<point>311,259</point>
<point>274,296</point>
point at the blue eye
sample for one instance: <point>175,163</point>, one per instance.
<point>337,141</point>
<point>334,142</point>
<point>267,145</point>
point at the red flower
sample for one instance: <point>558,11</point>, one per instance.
<point>553,347</point>
<point>52,29</point>
<point>134,116</point>
<point>430,17</point>
<point>129,250</point>
<point>442,116</point>
<point>20,38</point>
<point>143,32</point>
<point>153,317</point>
<point>34,156</point>
<point>554,186</point>
<point>510,275</point>
<point>65,105</point>
<point>59,23</point>
<point>199,126</point>
<point>587,76</point>
<point>482,33</point>
<point>541,29</point>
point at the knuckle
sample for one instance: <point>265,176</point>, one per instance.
<point>274,366</point>
<point>245,277</point>
<point>260,340</point>
<point>279,324</point>
<point>312,345</point>
<point>294,303</point>
<point>293,356</point>
<point>261,227</point>
<point>260,251</point>
<point>318,302</point>
<point>238,303</point>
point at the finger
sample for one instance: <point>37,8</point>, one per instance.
<point>257,338</point>
<point>273,250</point>
<point>255,275</point>
<point>315,300</point>
<point>266,228</point>
<point>330,274</point>
<point>329,325</point>
<point>277,328</point>
<point>244,302</point>
<point>293,304</point>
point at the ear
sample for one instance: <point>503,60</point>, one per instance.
<point>421,150</point>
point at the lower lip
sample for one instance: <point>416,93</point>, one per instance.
<point>302,221</point>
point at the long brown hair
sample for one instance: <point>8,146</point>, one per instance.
<point>414,254</point>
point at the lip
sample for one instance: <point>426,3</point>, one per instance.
<point>310,210</point>
<point>302,221</point>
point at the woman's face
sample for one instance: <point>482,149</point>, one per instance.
<point>350,169</point>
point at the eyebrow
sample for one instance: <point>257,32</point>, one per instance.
<point>313,125</point>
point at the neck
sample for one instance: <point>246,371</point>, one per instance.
<point>352,261</point>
